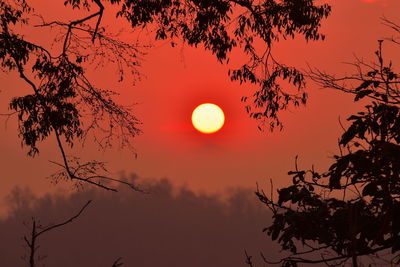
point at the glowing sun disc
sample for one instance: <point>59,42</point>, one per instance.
<point>208,118</point>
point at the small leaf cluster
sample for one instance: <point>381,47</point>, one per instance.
<point>12,46</point>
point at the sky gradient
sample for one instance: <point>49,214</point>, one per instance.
<point>178,79</point>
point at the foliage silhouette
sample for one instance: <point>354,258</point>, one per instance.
<point>62,97</point>
<point>351,210</point>
<point>66,104</point>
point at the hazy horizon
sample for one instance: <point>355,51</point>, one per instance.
<point>169,227</point>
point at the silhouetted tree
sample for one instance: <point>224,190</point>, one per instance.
<point>66,104</point>
<point>352,209</point>
<point>62,97</point>
<point>221,25</point>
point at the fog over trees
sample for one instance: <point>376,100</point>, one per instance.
<point>170,227</point>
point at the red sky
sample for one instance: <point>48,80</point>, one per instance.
<point>177,79</point>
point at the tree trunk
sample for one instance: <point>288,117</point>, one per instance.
<point>355,264</point>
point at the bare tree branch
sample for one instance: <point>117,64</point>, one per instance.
<point>117,263</point>
<point>38,230</point>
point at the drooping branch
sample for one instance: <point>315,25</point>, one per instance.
<point>87,173</point>
<point>63,98</point>
<point>221,26</point>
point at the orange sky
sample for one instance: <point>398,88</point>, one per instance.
<point>178,79</point>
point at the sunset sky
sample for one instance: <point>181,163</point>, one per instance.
<point>178,79</point>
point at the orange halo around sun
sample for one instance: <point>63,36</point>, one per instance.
<point>208,118</point>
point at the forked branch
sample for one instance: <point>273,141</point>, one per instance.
<point>38,230</point>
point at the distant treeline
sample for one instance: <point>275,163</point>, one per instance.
<point>168,227</point>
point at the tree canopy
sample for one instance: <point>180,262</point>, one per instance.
<point>351,210</point>
<point>65,103</point>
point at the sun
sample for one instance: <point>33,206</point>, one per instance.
<point>208,118</point>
